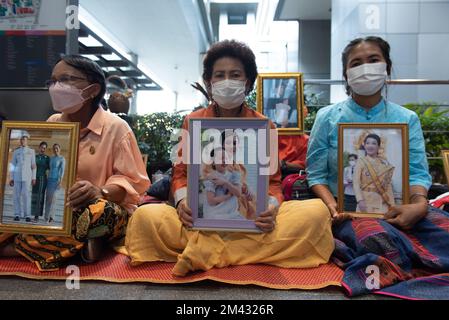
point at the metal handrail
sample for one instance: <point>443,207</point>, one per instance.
<point>325,105</point>
<point>390,82</point>
<point>394,82</point>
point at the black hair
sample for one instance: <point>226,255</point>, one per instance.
<point>43,143</point>
<point>104,104</point>
<point>91,70</point>
<point>118,103</point>
<point>372,136</point>
<point>224,137</point>
<point>352,155</point>
<point>57,144</point>
<point>232,49</point>
<point>383,45</point>
<point>212,155</point>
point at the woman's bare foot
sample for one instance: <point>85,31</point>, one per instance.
<point>9,251</point>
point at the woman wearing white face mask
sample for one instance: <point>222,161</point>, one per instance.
<point>296,234</point>
<point>110,174</point>
<point>396,239</point>
<point>366,66</point>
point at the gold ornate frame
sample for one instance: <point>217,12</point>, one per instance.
<point>445,155</point>
<point>299,99</point>
<point>72,132</point>
<point>405,161</point>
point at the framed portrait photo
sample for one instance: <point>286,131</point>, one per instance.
<point>228,173</point>
<point>38,167</point>
<point>280,97</point>
<point>373,168</point>
<point>445,155</point>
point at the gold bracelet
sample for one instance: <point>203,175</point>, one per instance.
<point>417,194</point>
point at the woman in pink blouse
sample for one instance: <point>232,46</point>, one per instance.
<point>110,176</point>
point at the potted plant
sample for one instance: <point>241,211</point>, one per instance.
<point>435,125</point>
<point>153,132</point>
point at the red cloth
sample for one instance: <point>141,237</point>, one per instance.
<point>146,199</point>
<point>440,201</point>
<point>293,149</point>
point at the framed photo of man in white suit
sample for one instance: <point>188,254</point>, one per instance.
<point>37,168</point>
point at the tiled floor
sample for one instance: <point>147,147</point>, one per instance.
<point>16,288</point>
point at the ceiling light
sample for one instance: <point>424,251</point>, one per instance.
<point>91,57</point>
<point>90,42</point>
<point>111,57</point>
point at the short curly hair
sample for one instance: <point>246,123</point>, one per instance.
<point>232,49</point>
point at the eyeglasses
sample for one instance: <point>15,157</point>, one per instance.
<point>64,80</point>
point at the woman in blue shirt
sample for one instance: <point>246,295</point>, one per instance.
<point>366,66</point>
<point>57,168</point>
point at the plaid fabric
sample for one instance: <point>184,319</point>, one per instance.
<point>403,261</point>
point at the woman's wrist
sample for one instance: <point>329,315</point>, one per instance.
<point>331,205</point>
<point>418,198</point>
<point>179,202</point>
<point>421,210</point>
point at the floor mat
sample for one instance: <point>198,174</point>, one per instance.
<point>116,268</point>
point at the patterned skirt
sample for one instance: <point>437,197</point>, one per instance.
<point>100,219</point>
<point>396,256</point>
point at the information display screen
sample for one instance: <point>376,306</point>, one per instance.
<point>32,38</point>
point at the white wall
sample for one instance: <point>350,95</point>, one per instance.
<point>314,54</point>
<point>418,32</point>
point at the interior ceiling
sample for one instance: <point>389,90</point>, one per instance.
<point>304,10</point>
<point>161,34</point>
<point>123,68</point>
<point>216,8</point>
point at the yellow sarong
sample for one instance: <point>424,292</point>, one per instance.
<point>302,239</point>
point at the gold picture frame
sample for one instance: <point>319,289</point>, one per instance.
<point>445,155</point>
<point>34,192</point>
<point>359,194</point>
<point>276,93</point>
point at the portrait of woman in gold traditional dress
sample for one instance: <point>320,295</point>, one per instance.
<point>373,178</point>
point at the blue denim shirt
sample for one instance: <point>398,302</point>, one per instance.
<point>322,154</point>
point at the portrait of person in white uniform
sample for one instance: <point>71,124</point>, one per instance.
<point>23,178</point>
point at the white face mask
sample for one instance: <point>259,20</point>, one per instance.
<point>352,163</point>
<point>368,78</point>
<point>229,94</point>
